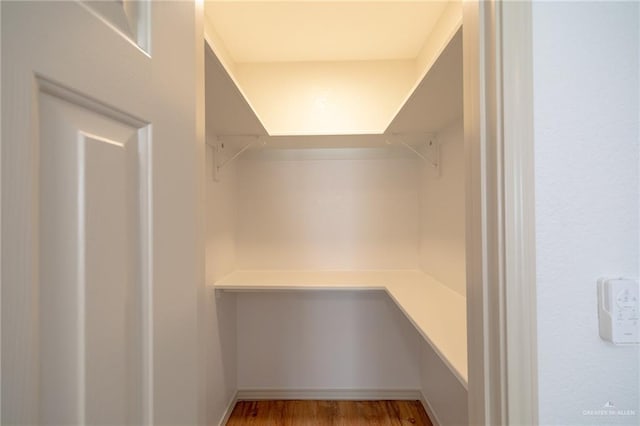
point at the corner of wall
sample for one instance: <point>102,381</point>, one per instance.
<point>220,325</point>
<point>220,221</point>
<point>444,397</point>
<point>442,210</point>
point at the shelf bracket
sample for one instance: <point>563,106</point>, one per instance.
<point>221,146</point>
<point>427,149</point>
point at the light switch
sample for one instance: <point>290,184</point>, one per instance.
<point>618,308</point>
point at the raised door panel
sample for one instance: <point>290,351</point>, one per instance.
<point>93,257</point>
<point>128,17</point>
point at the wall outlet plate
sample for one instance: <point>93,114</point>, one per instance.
<point>618,309</point>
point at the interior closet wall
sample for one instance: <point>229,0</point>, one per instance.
<point>346,97</point>
<point>442,244</point>
<point>220,365</point>
<point>445,395</point>
<point>586,111</point>
<point>442,255</point>
<point>328,209</point>
<point>329,341</point>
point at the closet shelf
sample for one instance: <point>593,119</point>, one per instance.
<point>435,102</point>
<point>437,312</point>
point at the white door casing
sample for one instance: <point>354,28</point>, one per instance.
<point>101,249</point>
<point>501,302</point>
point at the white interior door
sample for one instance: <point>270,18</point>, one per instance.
<point>101,162</point>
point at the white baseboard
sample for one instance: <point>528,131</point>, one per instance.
<point>229,410</point>
<point>328,394</point>
<point>427,407</point>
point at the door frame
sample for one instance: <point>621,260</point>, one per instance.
<point>500,241</point>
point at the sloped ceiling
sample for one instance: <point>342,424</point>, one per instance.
<point>328,67</point>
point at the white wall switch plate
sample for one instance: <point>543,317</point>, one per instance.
<point>618,308</point>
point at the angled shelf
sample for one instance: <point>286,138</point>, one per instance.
<point>437,99</point>
<point>437,312</point>
<point>227,110</point>
<point>434,101</point>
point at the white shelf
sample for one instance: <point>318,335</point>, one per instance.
<point>436,311</point>
<point>435,102</point>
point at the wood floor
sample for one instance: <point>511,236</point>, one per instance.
<point>328,413</point>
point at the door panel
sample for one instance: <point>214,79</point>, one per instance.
<point>91,260</point>
<point>102,259</point>
<point>129,18</point>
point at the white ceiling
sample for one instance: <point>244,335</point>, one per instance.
<point>292,31</point>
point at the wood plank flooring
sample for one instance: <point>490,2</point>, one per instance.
<point>306,412</point>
